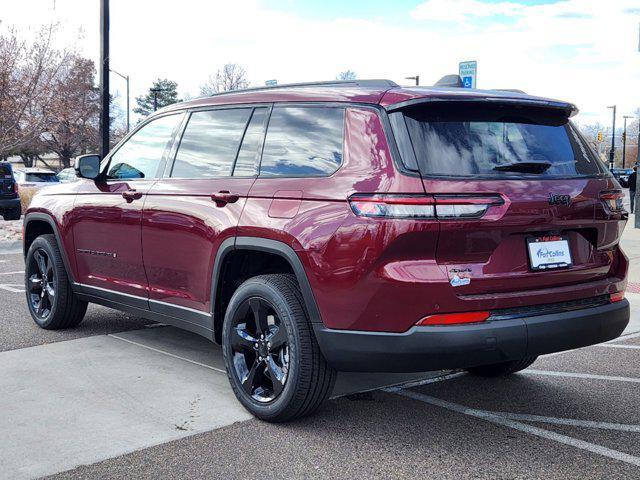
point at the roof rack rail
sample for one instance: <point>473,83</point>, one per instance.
<point>378,83</point>
<point>513,90</point>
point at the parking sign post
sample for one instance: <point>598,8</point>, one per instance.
<point>468,72</point>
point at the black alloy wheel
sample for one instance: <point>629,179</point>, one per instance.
<point>50,297</point>
<point>273,361</point>
<point>41,284</point>
<point>260,350</point>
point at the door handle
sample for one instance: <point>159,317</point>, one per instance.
<point>131,195</point>
<point>223,197</point>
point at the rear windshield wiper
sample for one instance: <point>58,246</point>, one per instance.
<point>524,167</point>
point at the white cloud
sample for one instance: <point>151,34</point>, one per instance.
<point>578,50</point>
<point>462,10</point>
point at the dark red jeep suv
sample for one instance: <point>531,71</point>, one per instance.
<point>342,226</point>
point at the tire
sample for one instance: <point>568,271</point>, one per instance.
<point>13,214</point>
<point>307,378</point>
<point>502,369</point>
<point>58,306</point>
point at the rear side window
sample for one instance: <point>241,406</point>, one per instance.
<point>210,142</point>
<point>303,141</point>
<point>497,141</point>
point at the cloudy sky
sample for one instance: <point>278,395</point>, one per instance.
<point>584,51</point>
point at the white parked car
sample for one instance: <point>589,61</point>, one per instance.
<point>35,177</point>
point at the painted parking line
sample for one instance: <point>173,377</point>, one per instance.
<point>613,345</point>
<point>624,337</point>
<point>621,338</point>
<point>523,427</point>
<point>12,273</point>
<point>589,376</point>
<point>570,421</point>
<point>12,287</point>
<point>167,353</point>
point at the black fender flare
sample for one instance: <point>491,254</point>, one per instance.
<point>271,246</point>
<point>30,217</point>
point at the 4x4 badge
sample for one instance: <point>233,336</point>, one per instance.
<point>559,199</point>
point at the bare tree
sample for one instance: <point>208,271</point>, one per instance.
<point>27,71</point>
<point>73,115</point>
<point>231,77</point>
<point>347,75</point>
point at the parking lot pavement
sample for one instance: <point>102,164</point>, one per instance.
<point>530,425</point>
<point>18,330</point>
<point>117,399</point>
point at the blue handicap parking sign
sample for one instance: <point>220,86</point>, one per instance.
<point>467,82</point>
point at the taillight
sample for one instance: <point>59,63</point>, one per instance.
<point>465,206</point>
<point>616,297</point>
<point>454,318</point>
<point>613,200</point>
<point>445,207</point>
<point>15,188</point>
<point>393,206</point>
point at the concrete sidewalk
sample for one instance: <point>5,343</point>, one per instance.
<point>631,246</point>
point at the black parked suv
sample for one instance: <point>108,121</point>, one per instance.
<point>9,199</point>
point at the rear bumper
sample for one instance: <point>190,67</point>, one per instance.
<point>461,346</point>
<point>9,203</point>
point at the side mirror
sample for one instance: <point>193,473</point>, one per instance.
<point>88,166</point>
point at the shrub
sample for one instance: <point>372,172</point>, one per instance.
<point>26,195</point>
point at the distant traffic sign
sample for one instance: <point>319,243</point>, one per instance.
<point>271,83</point>
<point>468,73</point>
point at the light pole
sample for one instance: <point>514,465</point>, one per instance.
<point>126,77</point>
<point>104,77</point>
<point>155,92</point>
<point>624,139</point>
<point>416,78</point>
<point>613,138</point>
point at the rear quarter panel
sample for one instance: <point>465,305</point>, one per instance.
<point>346,257</point>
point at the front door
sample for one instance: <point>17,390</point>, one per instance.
<point>107,214</point>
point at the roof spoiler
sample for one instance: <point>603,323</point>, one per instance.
<point>567,109</point>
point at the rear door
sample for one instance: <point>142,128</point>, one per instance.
<point>196,207</point>
<point>505,176</point>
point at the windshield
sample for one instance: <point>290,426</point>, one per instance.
<point>490,141</point>
<point>5,172</point>
<point>41,177</point>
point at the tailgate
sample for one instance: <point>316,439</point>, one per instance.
<point>504,175</point>
<point>491,251</point>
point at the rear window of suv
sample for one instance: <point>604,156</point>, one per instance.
<point>457,140</point>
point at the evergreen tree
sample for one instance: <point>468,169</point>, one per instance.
<point>166,94</point>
